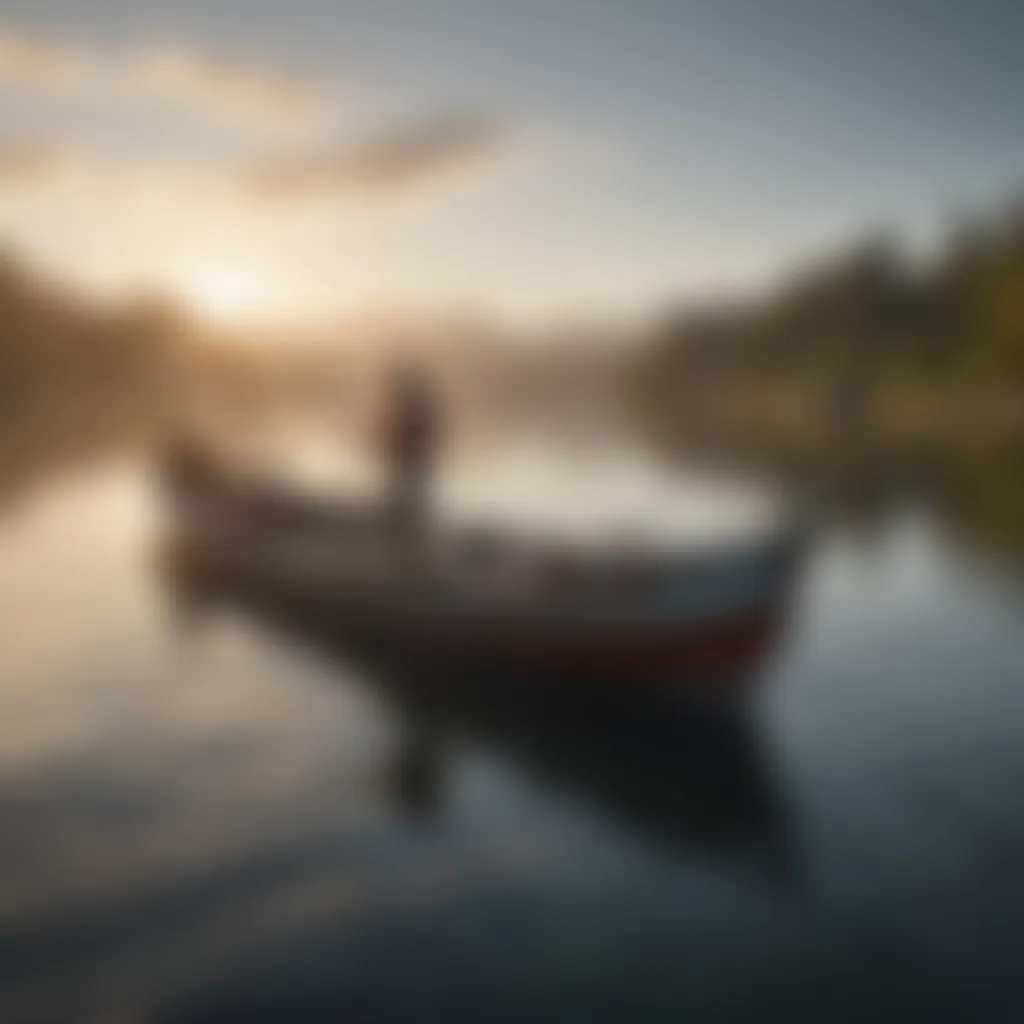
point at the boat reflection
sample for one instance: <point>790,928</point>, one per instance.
<point>692,776</point>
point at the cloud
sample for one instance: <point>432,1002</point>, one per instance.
<point>177,77</point>
<point>36,61</point>
<point>388,163</point>
<point>385,166</point>
<point>236,86</point>
<point>28,163</point>
<point>115,202</point>
<point>230,87</point>
<point>302,156</point>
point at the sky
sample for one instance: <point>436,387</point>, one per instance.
<point>311,159</point>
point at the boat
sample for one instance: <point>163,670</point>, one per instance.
<point>462,597</point>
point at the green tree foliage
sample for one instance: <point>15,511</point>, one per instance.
<point>847,331</point>
<point>76,378</point>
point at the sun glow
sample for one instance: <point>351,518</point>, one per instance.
<point>224,295</point>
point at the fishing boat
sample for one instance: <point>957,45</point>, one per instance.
<point>485,599</point>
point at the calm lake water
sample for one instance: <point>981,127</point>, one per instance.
<point>222,823</point>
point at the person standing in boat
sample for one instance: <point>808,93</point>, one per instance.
<point>410,442</point>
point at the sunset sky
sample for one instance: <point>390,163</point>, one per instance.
<point>316,158</point>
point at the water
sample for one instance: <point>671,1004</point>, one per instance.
<point>222,822</point>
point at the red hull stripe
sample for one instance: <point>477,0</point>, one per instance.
<point>724,645</point>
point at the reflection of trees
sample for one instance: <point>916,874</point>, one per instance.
<point>75,379</point>
<point>80,380</point>
<point>867,377</point>
<point>974,487</point>
<point>979,494</point>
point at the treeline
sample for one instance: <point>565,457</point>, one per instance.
<point>864,340</point>
<point>81,379</point>
<point>76,377</point>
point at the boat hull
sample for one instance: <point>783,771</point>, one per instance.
<point>714,646</point>
<point>703,618</point>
